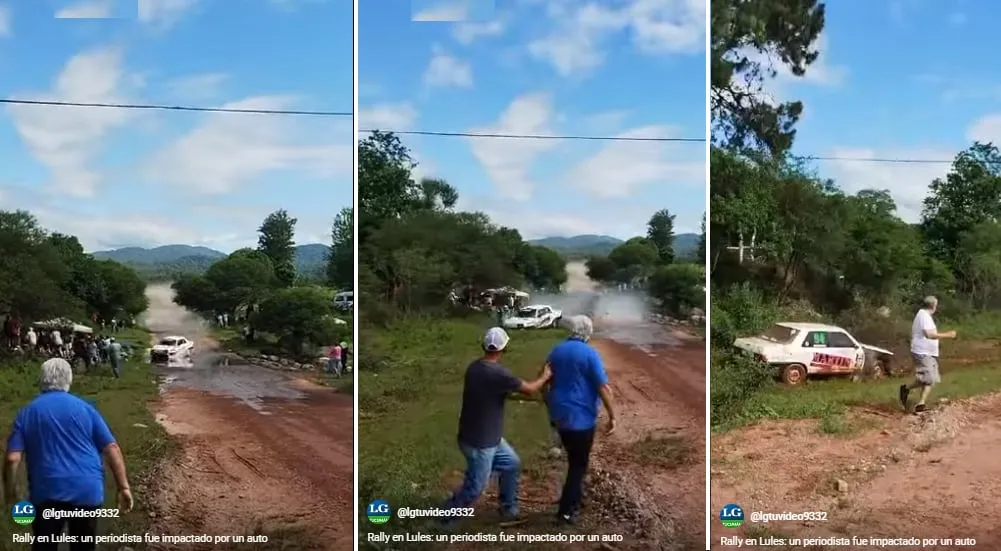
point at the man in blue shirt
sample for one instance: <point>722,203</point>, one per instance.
<point>485,391</point>
<point>63,439</point>
<point>578,383</point>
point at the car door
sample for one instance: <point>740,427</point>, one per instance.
<point>544,314</point>
<point>845,346</point>
<point>827,357</point>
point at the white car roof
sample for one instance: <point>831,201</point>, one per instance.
<point>809,326</point>
<point>175,337</point>
<point>535,306</point>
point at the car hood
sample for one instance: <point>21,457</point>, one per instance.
<point>163,348</point>
<point>877,349</point>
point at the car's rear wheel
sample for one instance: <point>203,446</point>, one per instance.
<point>794,374</point>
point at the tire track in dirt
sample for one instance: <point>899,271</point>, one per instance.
<point>659,446</point>
<point>260,452</point>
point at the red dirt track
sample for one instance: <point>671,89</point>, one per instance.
<point>659,390</point>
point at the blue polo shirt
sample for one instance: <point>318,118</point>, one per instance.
<point>62,437</point>
<point>578,373</point>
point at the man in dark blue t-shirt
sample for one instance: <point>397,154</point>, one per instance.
<point>481,426</point>
<point>64,439</point>
<point>578,383</point>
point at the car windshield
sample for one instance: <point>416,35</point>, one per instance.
<point>780,334</point>
<point>168,342</point>
<point>527,313</point>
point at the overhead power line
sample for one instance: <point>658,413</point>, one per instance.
<point>540,136</point>
<point>874,160</point>
<point>157,107</point>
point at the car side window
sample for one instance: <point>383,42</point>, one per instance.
<point>815,338</point>
<point>839,340</point>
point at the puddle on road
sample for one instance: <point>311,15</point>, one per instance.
<point>248,384</point>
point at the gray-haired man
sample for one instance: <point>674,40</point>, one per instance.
<point>924,350</point>
<point>63,438</point>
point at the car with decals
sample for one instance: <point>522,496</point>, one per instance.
<point>171,348</point>
<point>801,350</point>
<point>535,316</point>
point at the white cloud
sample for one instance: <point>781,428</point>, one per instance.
<point>66,139</point>
<point>4,21</point>
<point>620,168</point>
<point>657,27</point>
<point>390,116</point>
<point>467,33</point>
<point>163,13</point>
<point>230,150</point>
<point>906,182</point>
<point>507,161</point>
<point>447,71</point>
<point>197,87</point>
<point>88,9</point>
<point>455,10</point>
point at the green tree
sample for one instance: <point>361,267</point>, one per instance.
<point>660,232</point>
<point>600,268</point>
<point>784,30</point>
<point>340,264</point>
<point>277,241</point>
<point>633,259</point>
<point>979,257</point>
<point>970,194</point>
<point>301,317</point>
<point>679,287</point>
<point>700,251</point>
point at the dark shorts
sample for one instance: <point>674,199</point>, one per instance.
<point>79,528</point>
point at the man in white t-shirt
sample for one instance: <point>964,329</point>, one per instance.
<point>924,350</point>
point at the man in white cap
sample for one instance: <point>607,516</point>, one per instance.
<point>481,425</point>
<point>63,438</point>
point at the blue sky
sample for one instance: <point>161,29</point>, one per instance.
<point>118,177</point>
<point>910,79</point>
<point>614,67</point>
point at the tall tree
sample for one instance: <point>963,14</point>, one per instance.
<point>660,232</point>
<point>340,264</point>
<point>277,241</point>
<point>747,39</point>
<point>969,195</point>
<point>700,252</point>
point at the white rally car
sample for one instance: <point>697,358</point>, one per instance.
<point>535,316</point>
<point>170,349</point>
<point>798,350</point>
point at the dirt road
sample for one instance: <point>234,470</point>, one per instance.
<point>658,452</point>
<point>932,476</point>
<point>261,452</point>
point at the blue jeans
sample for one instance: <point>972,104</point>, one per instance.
<point>116,366</point>
<point>480,464</point>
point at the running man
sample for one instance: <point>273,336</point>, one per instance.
<point>924,350</point>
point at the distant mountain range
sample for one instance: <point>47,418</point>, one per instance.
<point>172,259</point>
<point>685,244</point>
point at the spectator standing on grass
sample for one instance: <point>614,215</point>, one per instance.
<point>578,384</point>
<point>32,338</point>
<point>334,362</point>
<point>485,390</point>
<point>62,440</point>
<point>115,355</point>
<point>924,351</point>
<point>344,355</point>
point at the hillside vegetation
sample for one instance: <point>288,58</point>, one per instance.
<point>788,243</point>
<point>167,262</point>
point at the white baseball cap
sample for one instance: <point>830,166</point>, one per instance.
<point>495,340</point>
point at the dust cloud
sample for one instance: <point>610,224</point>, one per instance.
<point>585,296</point>
<point>163,316</point>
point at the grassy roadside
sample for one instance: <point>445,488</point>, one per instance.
<point>123,403</point>
<point>410,388</point>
